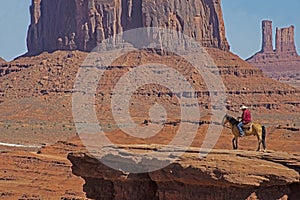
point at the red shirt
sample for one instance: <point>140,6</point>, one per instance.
<point>246,116</point>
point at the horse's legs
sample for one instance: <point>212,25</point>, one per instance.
<point>264,137</point>
<point>259,142</point>
<point>234,143</point>
<point>258,148</point>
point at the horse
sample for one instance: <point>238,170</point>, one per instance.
<point>255,129</point>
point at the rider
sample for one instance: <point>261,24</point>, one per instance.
<point>246,118</point>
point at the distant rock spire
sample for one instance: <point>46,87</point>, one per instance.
<point>284,57</point>
<point>285,42</point>
<point>267,41</point>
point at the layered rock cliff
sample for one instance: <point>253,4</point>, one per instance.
<point>222,174</point>
<point>81,25</point>
<point>52,76</point>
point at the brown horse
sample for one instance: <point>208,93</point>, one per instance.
<point>255,129</point>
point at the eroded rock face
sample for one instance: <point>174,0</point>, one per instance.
<point>285,40</point>
<point>267,42</point>
<point>229,174</point>
<point>81,25</point>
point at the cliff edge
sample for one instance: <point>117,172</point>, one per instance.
<point>222,174</point>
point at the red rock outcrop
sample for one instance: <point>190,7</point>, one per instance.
<point>267,41</point>
<point>45,174</point>
<point>281,63</point>
<point>81,25</point>
<point>222,174</point>
<point>285,42</point>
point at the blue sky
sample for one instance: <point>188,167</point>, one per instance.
<point>14,21</point>
<point>242,20</point>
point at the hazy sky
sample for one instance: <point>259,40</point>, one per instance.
<point>242,20</point>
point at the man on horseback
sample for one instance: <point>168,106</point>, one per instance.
<point>246,118</point>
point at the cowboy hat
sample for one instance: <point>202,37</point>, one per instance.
<point>243,107</point>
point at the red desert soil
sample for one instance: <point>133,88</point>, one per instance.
<point>28,174</point>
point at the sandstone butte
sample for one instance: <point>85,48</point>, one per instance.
<point>36,109</point>
<point>283,62</point>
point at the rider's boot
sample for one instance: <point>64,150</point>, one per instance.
<point>242,133</point>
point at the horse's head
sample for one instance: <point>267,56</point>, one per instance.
<point>225,120</point>
<point>230,120</point>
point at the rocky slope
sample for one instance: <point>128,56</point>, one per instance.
<point>77,24</point>
<point>48,81</point>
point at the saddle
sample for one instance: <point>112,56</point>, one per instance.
<point>247,126</point>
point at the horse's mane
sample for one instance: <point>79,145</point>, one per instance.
<point>232,120</point>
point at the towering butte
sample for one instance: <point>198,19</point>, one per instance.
<point>77,24</point>
<point>81,25</point>
<point>284,57</point>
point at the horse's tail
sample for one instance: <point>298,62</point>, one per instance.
<point>264,133</point>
